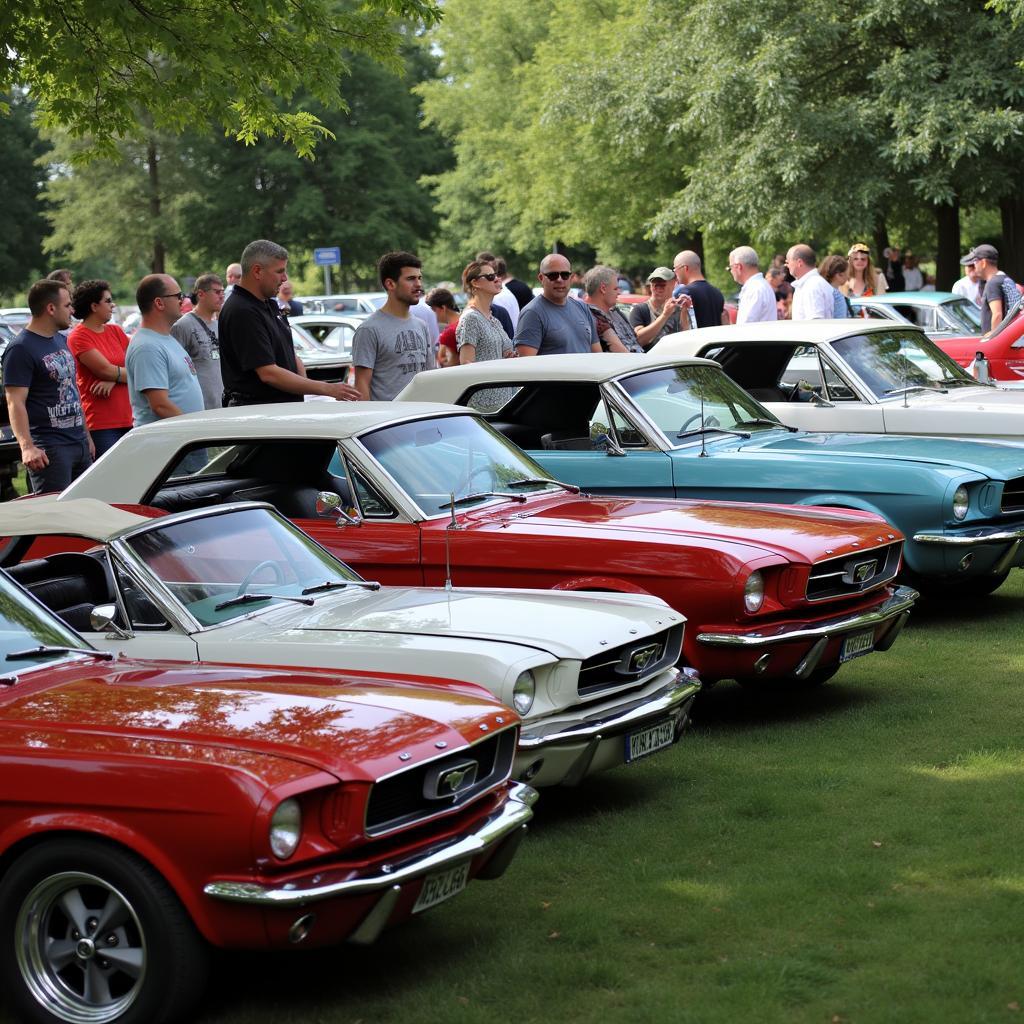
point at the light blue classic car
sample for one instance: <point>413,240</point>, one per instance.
<point>677,427</point>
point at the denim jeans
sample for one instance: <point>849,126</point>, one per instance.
<point>106,437</point>
<point>66,463</point>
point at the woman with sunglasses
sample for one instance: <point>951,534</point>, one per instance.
<point>479,336</point>
<point>99,347</point>
<point>864,279</point>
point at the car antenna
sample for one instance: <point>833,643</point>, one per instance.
<point>703,434</point>
<point>452,525</point>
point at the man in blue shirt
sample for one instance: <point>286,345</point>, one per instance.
<point>554,322</point>
<point>162,381</point>
<point>42,395</point>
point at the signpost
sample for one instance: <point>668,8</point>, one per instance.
<point>327,257</point>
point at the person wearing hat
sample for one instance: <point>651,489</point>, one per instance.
<point>661,313</point>
<point>1000,292</point>
<point>757,298</point>
<point>970,285</point>
<point>864,280</point>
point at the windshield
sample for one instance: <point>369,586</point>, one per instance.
<point>24,625</point>
<point>433,459</point>
<point>963,314</point>
<point>208,561</point>
<point>691,398</point>
<point>889,361</point>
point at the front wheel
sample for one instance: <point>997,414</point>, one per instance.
<point>93,935</point>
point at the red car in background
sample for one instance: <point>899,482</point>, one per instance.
<point>1004,348</point>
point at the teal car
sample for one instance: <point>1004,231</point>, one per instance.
<point>677,427</point>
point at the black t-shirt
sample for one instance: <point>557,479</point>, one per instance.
<point>521,290</point>
<point>252,333</point>
<point>708,303</point>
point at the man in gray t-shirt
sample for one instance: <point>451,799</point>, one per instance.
<point>554,322</point>
<point>391,346</point>
<point>196,333</point>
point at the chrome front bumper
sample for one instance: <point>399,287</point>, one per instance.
<point>510,818</point>
<point>671,699</point>
<point>976,538</point>
<point>898,603</point>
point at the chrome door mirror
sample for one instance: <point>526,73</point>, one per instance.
<point>101,620</point>
<point>329,505</point>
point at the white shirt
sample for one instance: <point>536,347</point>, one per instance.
<point>912,279</point>
<point>757,301</point>
<point>968,289</point>
<point>812,297</point>
<point>509,303</point>
<point>423,312</point>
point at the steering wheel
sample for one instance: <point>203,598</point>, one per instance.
<point>466,485</point>
<point>693,419</point>
<point>267,564</point>
<point>794,391</point>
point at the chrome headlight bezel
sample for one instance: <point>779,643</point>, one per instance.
<point>961,503</point>
<point>753,592</point>
<point>524,692</point>
<point>285,831</point>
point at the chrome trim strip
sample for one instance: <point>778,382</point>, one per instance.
<point>672,698</point>
<point>515,812</point>
<point>901,600</point>
<point>989,535</point>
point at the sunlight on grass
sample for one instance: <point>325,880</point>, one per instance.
<point>698,892</point>
<point>976,766</point>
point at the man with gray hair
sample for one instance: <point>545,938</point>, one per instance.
<point>257,357</point>
<point>196,333</point>
<point>555,323</point>
<point>757,299</point>
<point>613,329</point>
<point>232,275</point>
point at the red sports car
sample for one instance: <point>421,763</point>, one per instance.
<point>1004,348</point>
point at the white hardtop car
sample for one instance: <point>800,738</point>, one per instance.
<point>870,377</point>
<point>592,675</point>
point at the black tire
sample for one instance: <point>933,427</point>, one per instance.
<point>818,677</point>
<point>148,966</point>
<point>956,589</point>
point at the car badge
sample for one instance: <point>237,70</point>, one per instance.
<point>860,572</point>
<point>643,656</point>
<point>448,781</point>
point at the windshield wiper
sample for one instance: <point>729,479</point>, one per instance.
<point>768,423</point>
<point>915,387</point>
<point>248,598</point>
<point>697,431</point>
<point>321,588</point>
<point>480,495</point>
<point>42,651</point>
<point>527,480</point>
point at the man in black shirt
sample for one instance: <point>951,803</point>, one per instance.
<point>258,360</point>
<point>708,301</point>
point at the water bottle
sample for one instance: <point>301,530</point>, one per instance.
<point>980,368</point>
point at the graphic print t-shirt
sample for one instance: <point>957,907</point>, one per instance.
<point>395,349</point>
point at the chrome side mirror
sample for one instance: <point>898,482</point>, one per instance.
<point>101,620</point>
<point>328,505</point>
<point>824,403</point>
<point>609,444</point>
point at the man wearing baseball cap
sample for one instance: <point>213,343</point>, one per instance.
<point>1000,292</point>
<point>661,314</point>
<point>969,286</point>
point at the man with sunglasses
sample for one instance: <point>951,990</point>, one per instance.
<point>554,323</point>
<point>162,379</point>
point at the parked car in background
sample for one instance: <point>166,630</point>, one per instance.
<point>347,302</point>
<point>430,494</point>
<point>873,377</point>
<point>593,676</point>
<point>332,331</point>
<point>939,314</point>
<point>320,363</point>
<point>1003,349</point>
<point>150,811</point>
<point>656,425</point>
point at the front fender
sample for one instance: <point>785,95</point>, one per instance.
<point>613,584</point>
<point>842,501</point>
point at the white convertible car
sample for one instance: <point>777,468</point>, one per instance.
<point>593,676</point>
<point>871,377</point>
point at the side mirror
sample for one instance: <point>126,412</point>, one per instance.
<point>610,445</point>
<point>101,620</point>
<point>824,403</point>
<point>328,505</point>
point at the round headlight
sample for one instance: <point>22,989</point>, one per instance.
<point>961,499</point>
<point>523,692</point>
<point>753,592</point>
<point>285,828</point>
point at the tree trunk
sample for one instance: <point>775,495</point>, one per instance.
<point>153,166</point>
<point>881,239</point>
<point>1011,254</point>
<point>947,253</point>
<point>694,241</point>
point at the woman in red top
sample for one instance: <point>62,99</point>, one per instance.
<point>99,349</point>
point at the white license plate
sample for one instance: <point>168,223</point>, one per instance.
<point>442,886</point>
<point>649,740</point>
<point>858,644</point>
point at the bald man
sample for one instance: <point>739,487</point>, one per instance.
<point>708,301</point>
<point>555,323</point>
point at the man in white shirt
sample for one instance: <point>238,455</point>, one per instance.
<point>970,285</point>
<point>812,294</point>
<point>757,300</point>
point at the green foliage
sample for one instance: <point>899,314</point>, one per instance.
<point>95,66</point>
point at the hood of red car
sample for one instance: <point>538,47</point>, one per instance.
<point>351,726</point>
<point>802,533</point>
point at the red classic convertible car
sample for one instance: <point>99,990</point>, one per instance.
<point>1004,348</point>
<point>430,492</point>
<point>150,810</point>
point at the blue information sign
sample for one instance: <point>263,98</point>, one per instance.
<point>327,257</point>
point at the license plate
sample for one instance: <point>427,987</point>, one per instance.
<point>442,886</point>
<point>650,740</point>
<point>858,644</point>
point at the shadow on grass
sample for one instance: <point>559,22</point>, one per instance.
<point>1003,608</point>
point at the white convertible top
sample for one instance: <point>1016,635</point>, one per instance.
<point>81,517</point>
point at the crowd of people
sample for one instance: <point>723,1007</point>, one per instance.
<point>75,385</point>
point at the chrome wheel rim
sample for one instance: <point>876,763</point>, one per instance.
<point>80,948</point>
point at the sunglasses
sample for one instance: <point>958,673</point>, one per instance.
<point>174,295</point>
<point>486,277</point>
<point>554,275</point>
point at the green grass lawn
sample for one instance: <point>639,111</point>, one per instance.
<point>850,854</point>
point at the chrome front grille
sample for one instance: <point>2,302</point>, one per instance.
<point>435,787</point>
<point>853,573</point>
<point>1013,496</point>
<point>631,663</point>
